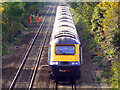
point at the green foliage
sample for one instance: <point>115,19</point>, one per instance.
<point>115,76</point>
<point>4,48</point>
<point>95,60</point>
<point>102,64</point>
<point>73,5</point>
<point>98,24</point>
<point>105,74</point>
<point>118,74</point>
<point>108,81</point>
<point>105,29</point>
<point>99,80</point>
<point>116,40</point>
<point>13,11</point>
<point>85,9</point>
<point>76,16</point>
<point>96,20</point>
<point>15,17</point>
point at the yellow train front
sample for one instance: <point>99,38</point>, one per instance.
<point>65,51</point>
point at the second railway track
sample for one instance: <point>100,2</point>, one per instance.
<point>23,76</point>
<point>42,47</point>
<point>42,77</point>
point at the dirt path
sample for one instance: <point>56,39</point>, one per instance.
<point>87,69</point>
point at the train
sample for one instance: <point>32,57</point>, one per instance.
<point>65,50</point>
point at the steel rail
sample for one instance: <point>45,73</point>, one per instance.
<point>39,56</point>
<point>73,85</point>
<point>27,53</point>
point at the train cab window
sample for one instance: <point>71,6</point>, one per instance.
<point>65,50</point>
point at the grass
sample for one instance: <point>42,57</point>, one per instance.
<point>99,80</point>
<point>4,48</point>
<point>108,81</point>
<point>105,74</point>
<point>95,60</point>
<point>102,64</point>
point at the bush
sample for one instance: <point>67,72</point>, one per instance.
<point>99,80</point>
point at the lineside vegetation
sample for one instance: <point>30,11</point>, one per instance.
<point>99,27</point>
<point>15,18</point>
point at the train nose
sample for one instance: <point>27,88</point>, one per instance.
<point>65,71</point>
<point>68,70</point>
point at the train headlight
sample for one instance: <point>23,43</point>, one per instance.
<point>54,63</point>
<point>75,63</point>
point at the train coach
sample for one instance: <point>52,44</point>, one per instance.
<point>65,51</point>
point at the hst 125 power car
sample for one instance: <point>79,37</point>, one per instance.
<point>65,51</point>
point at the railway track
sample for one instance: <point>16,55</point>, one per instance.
<point>64,84</point>
<point>40,53</point>
<point>42,77</point>
<point>25,75</point>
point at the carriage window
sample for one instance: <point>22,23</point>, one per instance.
<point>67,26</point>
<point>65,14</point>
<point>65,18</point>
<point>65,50</point>
<point>66,21</point>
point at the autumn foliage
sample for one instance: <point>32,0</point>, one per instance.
<point>99,25</point>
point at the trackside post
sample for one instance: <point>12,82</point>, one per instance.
<point>98,58</point>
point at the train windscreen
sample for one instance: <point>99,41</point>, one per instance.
<point>65,50</point>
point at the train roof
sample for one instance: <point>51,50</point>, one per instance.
<point>64,20</point>
<point>64,40</point>
<point>64,26</point>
